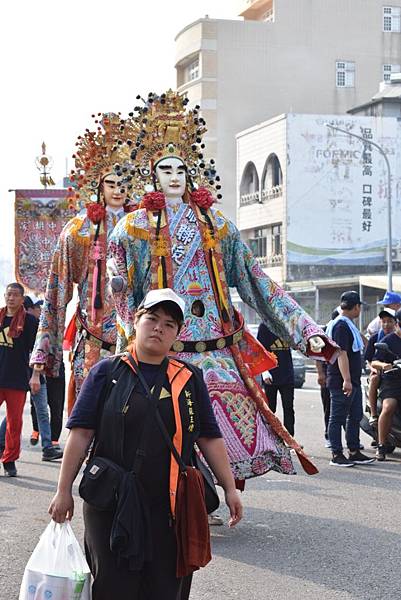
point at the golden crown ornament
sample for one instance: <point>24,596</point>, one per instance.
<point>100,152</point>
<point>167,129</point>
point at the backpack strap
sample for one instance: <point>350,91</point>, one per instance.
<point>113,367</point>
<point>177,465</point>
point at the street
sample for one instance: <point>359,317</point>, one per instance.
<point>332,536</point>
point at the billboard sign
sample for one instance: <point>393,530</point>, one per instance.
<point>337,192</point>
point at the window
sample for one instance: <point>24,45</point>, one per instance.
<point>258,244</point>
<point>345,74</point>
<point>392,18</point>
<point>388,69</point>
<point>193,70</point>
<point>250,180</point>
<point>272,174</point>
<point>276,240</point>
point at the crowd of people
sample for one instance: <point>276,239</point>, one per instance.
<point>154,261</point>
<point>340,382</point>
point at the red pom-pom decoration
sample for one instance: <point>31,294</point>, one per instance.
<point>202,198</point>
<point>154,201</point>
<point>96,212</point>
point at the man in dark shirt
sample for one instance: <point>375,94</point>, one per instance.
<point>17,336</point>
<point>387,324</point>
<point>281,378</point>
<point>344,383</point>
<point>390,388</point>
<point>321,368</point>
<point>39,404</point>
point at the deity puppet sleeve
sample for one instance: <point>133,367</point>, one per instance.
<point>275,307</point>
<point>130,260</point>
<point>69,265</point>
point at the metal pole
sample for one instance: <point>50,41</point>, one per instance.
<point>389,232</point>
<point>361,313</point>
<point>317,315</point>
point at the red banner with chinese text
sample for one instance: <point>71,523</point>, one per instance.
<point>40,216</point>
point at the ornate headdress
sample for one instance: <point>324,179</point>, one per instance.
<point>166,129</point>
<point>99,152</point>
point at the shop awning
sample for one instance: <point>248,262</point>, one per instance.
<point>380,281</point>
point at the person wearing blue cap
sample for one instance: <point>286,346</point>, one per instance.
<point>390,300</point>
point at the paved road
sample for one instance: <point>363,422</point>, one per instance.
<point>332,536</point>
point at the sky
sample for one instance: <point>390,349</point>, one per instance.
<point>62,61</point>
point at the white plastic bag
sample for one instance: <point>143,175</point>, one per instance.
<point>57,569</point>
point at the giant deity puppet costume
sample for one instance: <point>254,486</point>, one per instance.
<point>178,239</point>
<point>80,257</point>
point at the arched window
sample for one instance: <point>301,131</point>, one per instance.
<point>249,187</point>
<point>272,178</point>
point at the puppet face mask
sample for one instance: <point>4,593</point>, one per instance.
<point>171,174</point>
<point>114,195</point>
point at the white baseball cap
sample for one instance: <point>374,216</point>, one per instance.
<point>163,295</point>
<point>387,311</point>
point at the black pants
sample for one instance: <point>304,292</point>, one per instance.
<point>325,396</point>
<point>55,399</point>
<point>287,399</point>
<point>157,581</point>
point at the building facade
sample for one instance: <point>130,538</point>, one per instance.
<point>313,204</point>
<point>303,56</point>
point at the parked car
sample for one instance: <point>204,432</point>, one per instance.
<point>298,360</point>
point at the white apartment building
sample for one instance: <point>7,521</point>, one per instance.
<point>300,56</point>
<point>313,204</point>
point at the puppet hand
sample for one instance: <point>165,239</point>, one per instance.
<point>117,282</point>
<point>316,344</point>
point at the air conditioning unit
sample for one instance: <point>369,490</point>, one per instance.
<point>395,254</point>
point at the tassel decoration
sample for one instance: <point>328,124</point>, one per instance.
<point>209,244</point>
<point>96,282</point>
<point>98,297</point>
<point>160,274</point>
<point>222,300</point>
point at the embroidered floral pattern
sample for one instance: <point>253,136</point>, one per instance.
<point>253,447</point>
<point>70,266</point>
